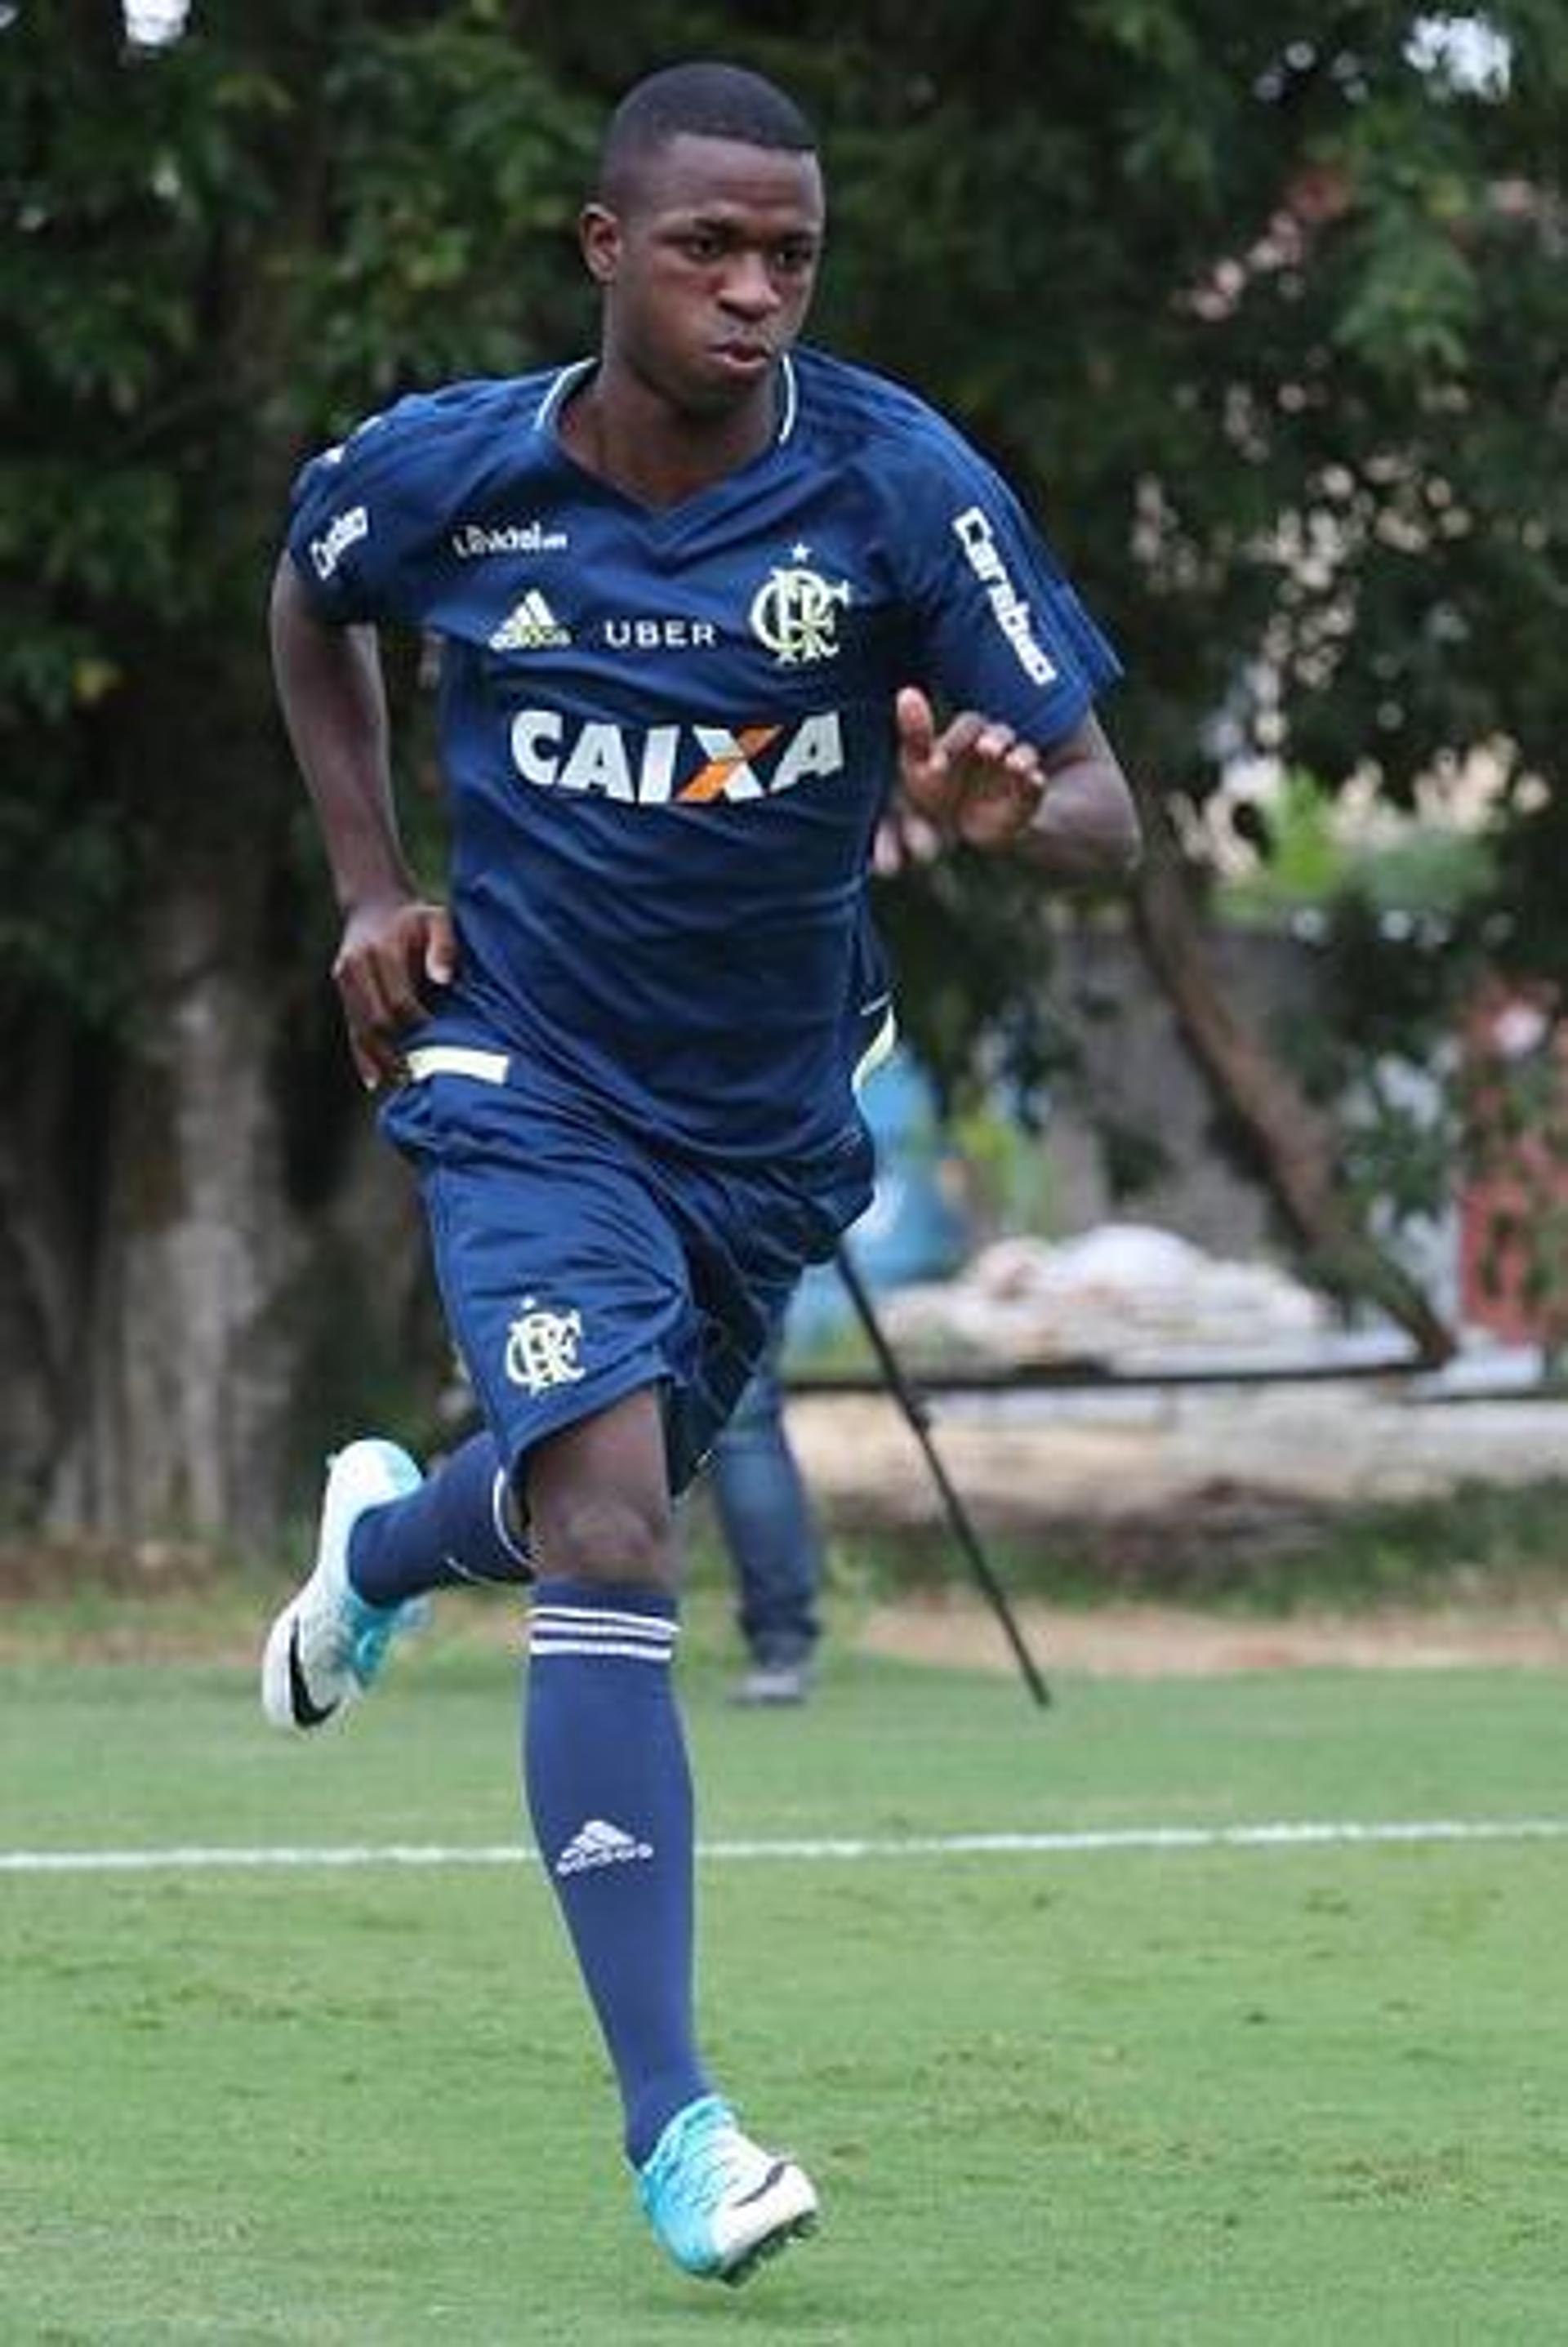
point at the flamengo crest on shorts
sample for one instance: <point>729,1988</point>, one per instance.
<point>542,1348</point>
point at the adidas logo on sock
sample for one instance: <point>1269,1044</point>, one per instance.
<point>599,1843</point>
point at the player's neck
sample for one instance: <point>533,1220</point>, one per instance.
<point>622,429</point>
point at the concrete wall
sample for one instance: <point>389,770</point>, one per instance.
<point>1139,1080</point>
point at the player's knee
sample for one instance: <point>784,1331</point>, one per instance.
<point>611,1537</point>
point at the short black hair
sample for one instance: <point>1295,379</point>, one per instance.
<point>703,99</point>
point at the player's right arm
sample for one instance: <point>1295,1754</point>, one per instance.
<point>393,942</point>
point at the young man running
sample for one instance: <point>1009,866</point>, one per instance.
<point>694,594</point>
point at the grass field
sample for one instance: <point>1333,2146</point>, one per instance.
<point>1228,2091</point>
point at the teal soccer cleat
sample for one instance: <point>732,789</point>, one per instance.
<point>328,1643</point>
<point>717,2201</point>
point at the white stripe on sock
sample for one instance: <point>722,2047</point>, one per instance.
<point>543,1650</point>
<point>605,1623</point>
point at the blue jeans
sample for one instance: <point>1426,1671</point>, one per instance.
<point>768,1523</point>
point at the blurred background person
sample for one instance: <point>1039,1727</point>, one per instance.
<point>773,1540</point>
<point>917,1226</point>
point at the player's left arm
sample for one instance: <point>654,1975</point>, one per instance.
<point>1066,807</point>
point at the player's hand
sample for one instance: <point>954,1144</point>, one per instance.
<point>975,781</point>
<point>391,950</point>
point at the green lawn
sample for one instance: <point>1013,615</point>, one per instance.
<point>1223,2094</point>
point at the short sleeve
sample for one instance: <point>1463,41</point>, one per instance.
<point>998,627</point>
<point>364,519</point>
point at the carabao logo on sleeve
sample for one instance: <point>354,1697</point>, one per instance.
<point>974,533</point>
<point>344,530</point>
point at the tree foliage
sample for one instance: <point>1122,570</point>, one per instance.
<point>1267,308</point>
<point>1264,309</point>
<point>1267,315</point>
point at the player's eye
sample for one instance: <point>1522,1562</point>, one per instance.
<point>791,260</point>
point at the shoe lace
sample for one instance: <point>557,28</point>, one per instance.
<point>702,2159</point>
<point>374,1627</point>
<point>370,1645</point>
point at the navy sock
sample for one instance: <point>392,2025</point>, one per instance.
<point>449,1530</point>
<point>610,1791</point>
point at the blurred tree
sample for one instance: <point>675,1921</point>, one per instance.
<point>1268,309</point>
<point>219,250</point>
<point>1265,309</point>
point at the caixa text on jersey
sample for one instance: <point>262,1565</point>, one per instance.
<point>660,765</point>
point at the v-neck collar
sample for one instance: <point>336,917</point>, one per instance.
<point>547,422</point>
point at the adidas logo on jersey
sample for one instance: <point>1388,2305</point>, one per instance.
<point>599,1843</point>
<point>529,626</point>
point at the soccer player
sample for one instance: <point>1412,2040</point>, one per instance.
<point>700,598</point>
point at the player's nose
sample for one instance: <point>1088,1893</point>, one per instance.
<point>749,289</point>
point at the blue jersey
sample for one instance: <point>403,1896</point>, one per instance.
<point>668,734</point>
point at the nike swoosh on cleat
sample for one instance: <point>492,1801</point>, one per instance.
<point>307,1713</point>
<point>769,2180</point>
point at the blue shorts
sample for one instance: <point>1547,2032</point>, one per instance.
<point>577,1265</point>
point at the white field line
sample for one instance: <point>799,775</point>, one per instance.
<point>1282,1834</point>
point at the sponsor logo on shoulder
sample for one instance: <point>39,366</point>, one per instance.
<point>472,541</point>
<point>530,626</point>
<point>974,533</point>
<point>344,530</point>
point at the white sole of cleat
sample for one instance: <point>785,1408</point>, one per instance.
<point>762,2252</point>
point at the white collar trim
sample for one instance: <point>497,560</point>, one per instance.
<point>549,405</point>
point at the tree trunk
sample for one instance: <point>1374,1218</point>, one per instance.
<point>208,1274</point>
<point>186,1376</point>
<point>43,1217</point>
<point>1297,1146</point>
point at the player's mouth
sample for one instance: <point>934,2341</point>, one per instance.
<point>744,357</point>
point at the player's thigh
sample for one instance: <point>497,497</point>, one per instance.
<point>565,1286</point>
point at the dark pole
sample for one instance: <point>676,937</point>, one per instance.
<point>913,1406</point>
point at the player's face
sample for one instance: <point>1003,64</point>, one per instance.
<point>708,268</point>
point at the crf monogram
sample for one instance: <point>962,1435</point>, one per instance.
<point>541,1347</point>
<point>794,613</point>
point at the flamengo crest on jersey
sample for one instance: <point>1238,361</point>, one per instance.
<point>795,612</point>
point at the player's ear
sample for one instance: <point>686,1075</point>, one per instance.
<point>598,234</point>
